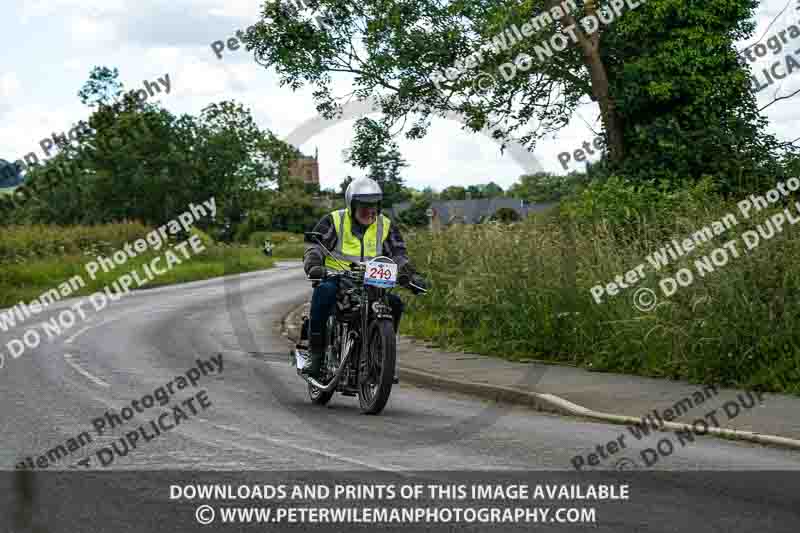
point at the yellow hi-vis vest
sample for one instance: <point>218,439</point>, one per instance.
<point>348,246</point>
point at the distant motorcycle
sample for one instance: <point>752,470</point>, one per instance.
<point>361,347</point>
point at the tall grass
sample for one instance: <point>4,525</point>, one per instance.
<point>25,242</point>
<point>524,291</point>
<point>34,259</point>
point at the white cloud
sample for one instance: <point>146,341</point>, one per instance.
<point>76,65</point>
<point>40,124</point>
<point>92,31</point>
<point>9,85</point>
<point>243,9</point>
<point>31,9</point>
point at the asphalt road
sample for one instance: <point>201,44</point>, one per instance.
<point>260,419</point>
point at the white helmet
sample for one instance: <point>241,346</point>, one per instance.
<point>363,191</point>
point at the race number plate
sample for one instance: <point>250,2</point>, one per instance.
<point>381,274</point>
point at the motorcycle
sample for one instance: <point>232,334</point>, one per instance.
<point>361,345</point>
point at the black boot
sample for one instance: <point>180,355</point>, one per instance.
<point>304,330</point>
<point>317,353</point>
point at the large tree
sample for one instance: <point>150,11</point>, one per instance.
<point>374,150</point>
<point>546,187</point>
<point>139,161</point>
<point>673,98</point>
<point>453,192</point>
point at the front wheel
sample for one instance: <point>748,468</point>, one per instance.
<point>373,392</point>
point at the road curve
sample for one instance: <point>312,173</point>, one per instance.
<point>259,416</point>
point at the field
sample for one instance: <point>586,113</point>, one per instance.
<point>35,259</point>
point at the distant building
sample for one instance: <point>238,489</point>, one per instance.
<point>474,211</point>
<point>306,168</point>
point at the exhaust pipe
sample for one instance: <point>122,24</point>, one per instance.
<point>301,358</point>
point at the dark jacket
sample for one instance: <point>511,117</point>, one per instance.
<point>394,246</point>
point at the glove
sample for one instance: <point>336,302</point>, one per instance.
<point>317,272</point>
<point>420,282</point>
<point>404,275</point>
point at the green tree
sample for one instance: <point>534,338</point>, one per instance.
<point>505,215</point>
<point>429,194</point>
<point>345,184</point>
<point>142,162</point>
<point>492,190</point>
<point>329,192</point>
<point>386,171</point>
<point>102,88</point>
<point>415,215</point>
<point>674,100</point>
<point>454,192</point>
<point>546,186</point>
<point>373,149</point>
<point>475,191</point>
<point>291,209</point>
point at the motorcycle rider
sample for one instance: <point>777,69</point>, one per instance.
<point>360,229</point>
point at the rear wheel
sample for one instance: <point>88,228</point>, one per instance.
<point>373,392</point>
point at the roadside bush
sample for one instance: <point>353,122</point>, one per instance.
<point>286,245</point>
<point>257,238</point>
<point>276,237</point>
<point>625,204</point>
<point>523,290</point>
<point>280,237</point>
<point>205,238</point>
<point>415,215</point>
<point>242,233</point>
<point>506,215</point>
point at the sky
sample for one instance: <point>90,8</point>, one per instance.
<point>52,45</point>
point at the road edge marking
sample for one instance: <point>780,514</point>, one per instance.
<point>80,369</point>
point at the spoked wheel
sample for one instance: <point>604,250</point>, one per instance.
<point>316,395</point>
<point>373,393</point>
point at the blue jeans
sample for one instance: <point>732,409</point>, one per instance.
<point>323,302</point>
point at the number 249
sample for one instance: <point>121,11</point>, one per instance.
<point>376,272</point>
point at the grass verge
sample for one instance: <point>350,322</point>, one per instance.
<point>37,259</point>
<point>23,282</point>
<point>522,291</point>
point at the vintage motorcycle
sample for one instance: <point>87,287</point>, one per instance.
<point>361,346</point>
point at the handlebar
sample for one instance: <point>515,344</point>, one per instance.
<point>358,277</point>
<point>355,275</point>
<point>356,269</point>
